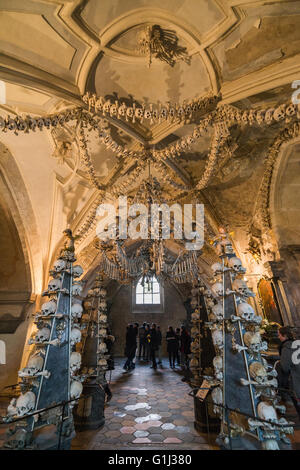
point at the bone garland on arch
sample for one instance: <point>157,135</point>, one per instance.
<point>149,112</point>
<point>285,135</point>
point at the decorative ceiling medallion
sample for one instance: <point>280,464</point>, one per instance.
<point>162,44</point>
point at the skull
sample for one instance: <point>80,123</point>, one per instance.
<point>147,114</point>
<point>102,332</point>
<point>267,412</point>
<point>35,365</point>
<point>102,304</point>
<point>217,337</point>
<point>194,363</point>
<point>235,264</point>
<point>291,110</point>
<point>102,318</point>
<point>217,398</point>
<point>76,389</point>
<point>240,286</point>
<point>245,311</point>
<point>76,310</point>
<point>76,289</point>
<point>195,346</point>
<point>114,110</point>
<point>139,113</point>
<point>106,106</point>
<point>42,335</point>
<point>218,366</point>
<point>59,265</point>
<point>279,113</point>
<point>75,336</point>
<point>102,363</point>
<point>195,315</point>
<point>217,311</point>
<point>260,117</point>
<point>130,112</point>
<point>77,271</point>
<point>196,133</point>
<point>258,372</point>
<point>49,308</point>
<point>269,115</point>
<point>252,341</point>
<point>25,403</point>
<point>217,268</point>
<point>194,332</point>
<point>122,110</point>
<point>103,292</point>
<point>217,289</point>
<point>54,285</point>
<point>102,348</point>
<point>75,362</point>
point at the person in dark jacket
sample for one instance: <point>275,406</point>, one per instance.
<point>159,343</point>
<point>130,347</point>
<point>147,342</point>
<point>142,341</point>
<point>288,368</point>
<point>172,346</point>
<point>185,347</point>
<point>153,342</point>
<point>177,334</point>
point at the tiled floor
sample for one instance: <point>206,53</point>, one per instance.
<point>149,409</point>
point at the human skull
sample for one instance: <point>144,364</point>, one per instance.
<point>217,268</point>
<point>269,115</point>
<point>102,304</point>
<point>59,265</point>
<point>75,336</point>
<point>102,363</point>
<point>102,332</point>
<point>218,367</point>
<point>102,348</point>
<point>76,389</point>
<point>76,289</point>
<point>102,318</point>
<point>252,341</point>
<point>194,364</point>
<point>195,346</point>
<point>42,335</point>
<point>217,398</point>
<point>103,292</point>
<point>122,110</point>
<point>25,403</point>
<point>54,285</point>
<point>130,112</point>
<point>260,117</point>
<point>217,337</point>
<point>240,286</point>
<point>267,412</point>
<point>195,315</point>
<point>245,311</point>
<point>77,271</point>
<point>194,331</point>
<point>217,311</point>
<point>76,310</point>
<point>75,361</point>
<point>258,372</point>
<point>139,113</point>
<point>291,110</point>
<point>217,289</point>
<point>235,264</point>
<point>49,308</point>
<point>106,106</point>
<point>279,113</point>
<point>35,365</point>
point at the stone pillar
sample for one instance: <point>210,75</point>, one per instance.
<point>279,274</point>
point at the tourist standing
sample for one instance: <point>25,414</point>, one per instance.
<point>159,343</point>
<point>130,347</point>
<point>177,335</point>
<point>142,341</point>
<point>153,345</point>
<point>147,342</point>
<point>185,347</point>
<point>172,346</point>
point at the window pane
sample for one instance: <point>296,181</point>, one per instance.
<point>155,287</point>
<point>139,289</point>
<point>139,298</point>
<point>148,299</point>
<point>148,288</point>
<point>156,298</point>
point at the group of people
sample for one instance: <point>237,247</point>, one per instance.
<point>146,340</point>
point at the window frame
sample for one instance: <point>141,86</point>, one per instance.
<point>151,308</point>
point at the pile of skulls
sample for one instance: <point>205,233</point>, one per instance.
<point>261,378</point>
<point>195,363</point>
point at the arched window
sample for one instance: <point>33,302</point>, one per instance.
<point>149,293</point>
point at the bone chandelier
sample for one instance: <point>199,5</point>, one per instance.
<point>149,259</point>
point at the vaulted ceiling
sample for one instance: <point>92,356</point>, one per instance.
<point>52,52</point>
